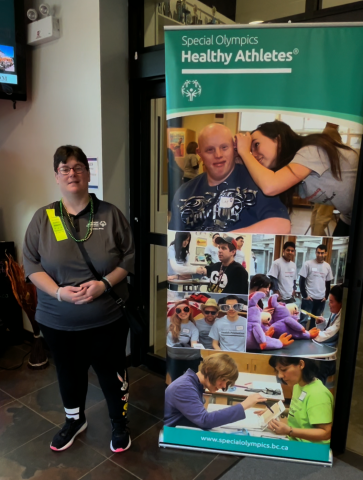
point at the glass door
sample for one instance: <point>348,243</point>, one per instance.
<point>149,210</point>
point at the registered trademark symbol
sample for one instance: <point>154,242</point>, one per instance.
<point>295,51</point>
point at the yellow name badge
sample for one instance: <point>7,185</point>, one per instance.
<point>57,226</point>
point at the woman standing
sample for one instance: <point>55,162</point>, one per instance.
<point>325,170</point>
<point>311,409</point>
<point>80,321</point>
<point>182,336</point>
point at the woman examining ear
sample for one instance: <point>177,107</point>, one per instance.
<point>325,170</point>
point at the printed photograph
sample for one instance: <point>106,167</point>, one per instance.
<point>7,63</point>
<point>286,398</point>
<point>213,262</point>
<point>296,295</point>
<point>263,172</point>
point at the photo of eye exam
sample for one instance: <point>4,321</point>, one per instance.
<point>208,262</point>
<point>289,398</point>
<point>296,296</point>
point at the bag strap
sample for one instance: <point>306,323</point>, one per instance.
<point>90,265</point>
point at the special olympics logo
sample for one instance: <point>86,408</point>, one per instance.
<point>191,89</point>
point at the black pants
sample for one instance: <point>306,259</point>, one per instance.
<point>103,348</point>
<point>316,307</point>
<point>342,229</point>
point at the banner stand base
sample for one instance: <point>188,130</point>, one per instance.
<point>163,444</point>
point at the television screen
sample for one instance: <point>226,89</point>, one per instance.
<point>12,50</point>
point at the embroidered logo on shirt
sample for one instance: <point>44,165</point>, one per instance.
<point>222,208</point>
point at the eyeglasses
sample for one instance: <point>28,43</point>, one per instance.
<point>185,309</point>
<point>77,169</point>
<point>236,306</point>
<point>210,312</point>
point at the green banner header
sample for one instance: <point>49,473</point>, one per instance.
<point>313,69</point>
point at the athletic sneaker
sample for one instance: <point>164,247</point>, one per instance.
<point>121,440</point>
<point>65,437</point>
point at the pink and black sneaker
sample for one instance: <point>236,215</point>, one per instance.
<point>65,437</point>
<point>121,439</point>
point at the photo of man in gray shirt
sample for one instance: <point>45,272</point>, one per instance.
<point>229,332</point>
<point>315,278</point>
<point>283,274</point>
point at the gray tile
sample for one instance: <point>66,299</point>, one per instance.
<point>48,402</point>
<point>148,395</point>
<point>5,398</point>
<point>98,433</point>
<point>149,462</point>
<point>18,425</point>
<point>23,381</point>
<point>108,471</point>
<point>36,461</point>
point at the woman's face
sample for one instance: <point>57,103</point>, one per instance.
<point>291,374</point>
<point>73,183</point>
<point>180,311</point>
<point>265,290</point>
<point>334,306</point>
<point>186,242</point>
<point>264,149</point>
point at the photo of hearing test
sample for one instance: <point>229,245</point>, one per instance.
<point>287,398</point>
<point>266,172</point>
<point>208,262</point>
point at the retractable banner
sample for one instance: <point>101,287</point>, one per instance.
<point>263,143</point>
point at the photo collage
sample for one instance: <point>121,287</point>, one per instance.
<point>257,254</point>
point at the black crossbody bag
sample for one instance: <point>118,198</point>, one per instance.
<point>136,322</point>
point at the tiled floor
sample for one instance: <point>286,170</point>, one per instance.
<point>31,412</point>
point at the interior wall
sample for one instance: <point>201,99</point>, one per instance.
<point>114,102</point>
<point>267,9</point>
<point>67,105</point>
<point>63,107</point>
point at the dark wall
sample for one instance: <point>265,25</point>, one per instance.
<point>225,7</point>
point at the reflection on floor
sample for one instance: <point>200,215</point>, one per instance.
<point>31,412</point>
<point>355,431</point>
<point>300,220</point>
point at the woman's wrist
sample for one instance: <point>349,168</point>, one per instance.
<point>58,294</point>
<point>291,433</point>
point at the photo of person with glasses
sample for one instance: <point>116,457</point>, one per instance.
<point>229,333</point>
<point>182,335</point>
<point>210,310</point>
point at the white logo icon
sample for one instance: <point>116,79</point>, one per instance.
<point>103,223</point>
<point>191,89</point>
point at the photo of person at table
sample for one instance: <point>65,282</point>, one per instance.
<point>329,327</point>
<point>178,257</point>
<point>184,402</point>
<point>225,197</point>
<point>310,415</point>
<point>229,333</point>
<point>324,170</point>
<point>226,276</point>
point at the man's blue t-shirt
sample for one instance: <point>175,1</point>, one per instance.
<point>235,203</point>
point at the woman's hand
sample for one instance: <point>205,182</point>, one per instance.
<point>279,427</point>
<point>243,143</point>
<point>94,289</point>
<point>251,400</point>
<point>201,270</point>
<point>74,295</point>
